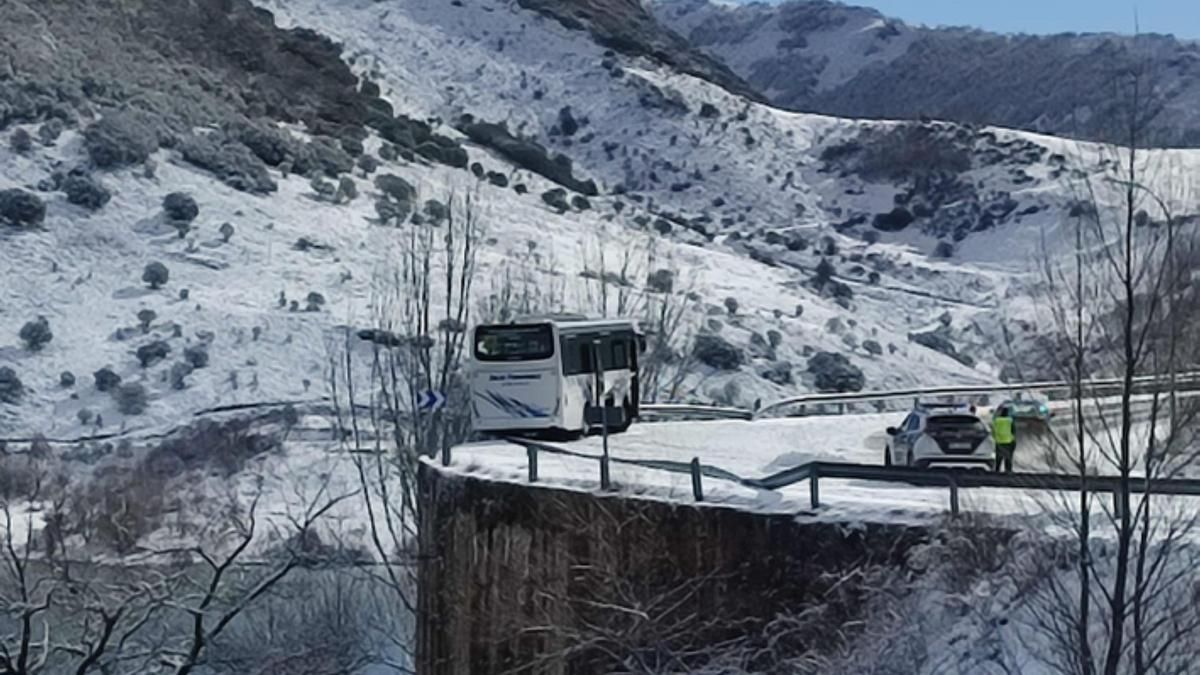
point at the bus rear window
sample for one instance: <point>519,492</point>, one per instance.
<point>514,343</point>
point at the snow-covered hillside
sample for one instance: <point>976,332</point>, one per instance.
<point>827,57</point>
<point>769,219</point>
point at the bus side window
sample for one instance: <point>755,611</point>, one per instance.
<point>620,358</point>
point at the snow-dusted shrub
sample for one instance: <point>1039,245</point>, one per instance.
<point>20,141</point>
<point>181,207</point>
<point>179,373</point>
<point>778,373</point>
<point>944,249</point>
<point>893,221</point>
<point>498,179</point>
<point>325,156</point>
<point>556,198</point>
<point>436,212</point>
<point>717,352</point>
<point>367,164</point>
<point>314,302</point>
<point>35,334</point>
<point>122,138</point>
<point>775,338</point>
<point>131,399</point>
<point>527,154</point>
<point>19,208</point>
<point>85,416</point>
<point>11,388</point>
<point>581,203</point>
<point>66,379</point>
<point>196,355</point>
<point>49,132</point>
<point>226,230</point>
<point>347,190</point>
<point>106,379</point>
<point>324,190</point>
<point>388,152</point>
<point>230,161</point>
<point>872,347</point>
<point>155,274</point>
<point>149,354</point>
<point>731,306</point>
<point>661,281</point>
<point>824,273</point>
<point>395,188</point>
<point>84,190</point>
<point>835,373</point>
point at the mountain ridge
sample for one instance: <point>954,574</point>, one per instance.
<point>829,58</point>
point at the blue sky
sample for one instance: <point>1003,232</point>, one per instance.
<point>1180,17</point>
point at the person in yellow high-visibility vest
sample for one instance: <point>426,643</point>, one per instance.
<point>1004,437</point>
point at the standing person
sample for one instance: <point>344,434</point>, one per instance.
<point>1005,439</point>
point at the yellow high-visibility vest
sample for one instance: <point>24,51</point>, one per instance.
<point>1002,430</point>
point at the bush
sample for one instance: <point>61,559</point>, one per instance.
<point>731,306</point>
<point>835,373</point>
<point>230,161</point>
<point>35,334</point>
<point>20,141</point>
<point>66,378</point>
<point>180,207</point>
<point>179,373</point>
<point>314,302</point>
<point>122,138</point>
<point>872,347</point>
<point>226,231</point>
<point>347,190</point>
<point>11,388</point>
<point>131,399</point>
<point>716,352</point>
<point>775,338</point>
<point>527,154</point>
<point>661,281</point>
<point>19,208</point>
<point>156,274</point>
<point>49,132</point>
<point>944,249</point>
<point>197,356</point>
<point>106,379</point>
<point>151,353</point>
<point>84,190</point>
<point>556,198</point>
<point>778,373</point>
<point>893,221</point>
<point>824,274</point>
<point>368,164</point>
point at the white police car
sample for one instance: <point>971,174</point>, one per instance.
<point>942,435</point>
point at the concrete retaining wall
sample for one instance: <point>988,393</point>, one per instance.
<point>533,579</point>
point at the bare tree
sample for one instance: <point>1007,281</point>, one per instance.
<point>421,310</point>
<point>1120,307</point>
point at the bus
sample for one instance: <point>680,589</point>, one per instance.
<point>561,376</point>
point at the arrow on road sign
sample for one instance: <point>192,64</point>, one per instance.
<point>430,401</point>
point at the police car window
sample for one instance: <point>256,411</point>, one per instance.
<point>913,423</point>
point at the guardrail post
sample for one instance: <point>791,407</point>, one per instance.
<point>604,481</point>
<point>814,489</point>
<point>697,487</point>
<point>953,497</point>
<point>533,459</point>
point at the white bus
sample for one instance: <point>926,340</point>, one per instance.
<point>539,376</point>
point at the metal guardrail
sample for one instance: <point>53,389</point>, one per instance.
<point>1189,380</point>
<point>953,479</point>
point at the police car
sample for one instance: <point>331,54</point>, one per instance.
<point>943,435</point>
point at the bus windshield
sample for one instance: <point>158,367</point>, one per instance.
<point>514,343</point>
